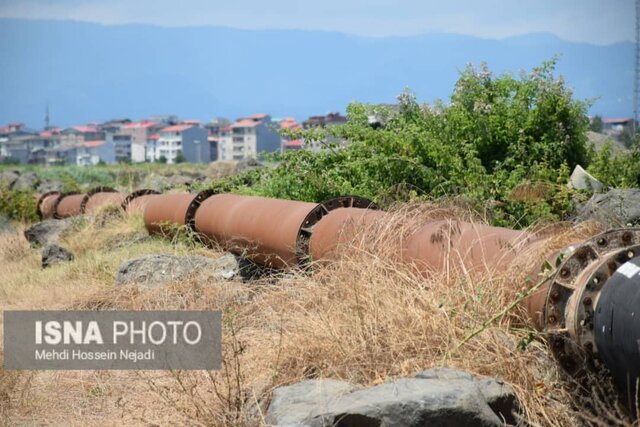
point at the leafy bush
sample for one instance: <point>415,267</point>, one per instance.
<point>617,170</point>
<point>18,205</point>
<point>511,141</point>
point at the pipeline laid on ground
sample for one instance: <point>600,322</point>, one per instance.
<point>589,308</point>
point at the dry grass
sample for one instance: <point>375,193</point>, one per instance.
<point>363,318</point>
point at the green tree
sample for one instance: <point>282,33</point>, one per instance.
<point>596,124</point>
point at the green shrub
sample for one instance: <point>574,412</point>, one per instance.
<point>18,205</point>
<point>498,134</point>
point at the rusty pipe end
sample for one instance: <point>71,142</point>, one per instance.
<point>303,241</point>
<point>90,193</point>
<point>67,204</point>
<point>138,193</point>
<point>46,203</point>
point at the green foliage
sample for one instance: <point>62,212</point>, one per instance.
<point>511,141</point>
<point>18,205</point>
<point>596,124</point>
<point>162,159</point>
<point>617,170</point>
<point>180,157</point>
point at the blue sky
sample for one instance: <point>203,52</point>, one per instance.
<point>592,21</point>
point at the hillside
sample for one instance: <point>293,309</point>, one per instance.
<point>89,72</point>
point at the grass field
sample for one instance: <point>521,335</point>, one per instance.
<point>362,318</point>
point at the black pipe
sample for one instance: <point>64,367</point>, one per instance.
<point>617,327</point>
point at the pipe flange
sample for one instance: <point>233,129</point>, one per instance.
<point>322,209</point>
<point>41,199</point>
<point>574,291</point>
<point>136,194</point>
<point>190,215</point>
<point>99,189</point>
<point>59,199</point>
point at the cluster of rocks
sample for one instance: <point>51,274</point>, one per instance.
<point>46,234</point>
<point>439,397</point>
<point>25,181</point>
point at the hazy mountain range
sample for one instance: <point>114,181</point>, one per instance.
<point>90,72</point>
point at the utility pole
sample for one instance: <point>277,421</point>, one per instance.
<point>636,74</point>
<point>46,118</point>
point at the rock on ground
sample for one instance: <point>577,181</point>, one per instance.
<point>8,178</point>
<point>439,397</point>
<point>159,269</point>
<point>46,186</point>
<point>46,232</point>
<point>26,181</point>
<point>248,164</point>
<point>53,254</point>
<point>617,207</point>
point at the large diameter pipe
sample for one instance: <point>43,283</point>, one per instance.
<point>46,204</point>
<point>340,227</point>
<point>165,212</point>
<point>136,202</point>
<point>261,229</point>
<point>464,246</point>
<point>98,200</point>
<point>617,326</point>
<point>68,205</point>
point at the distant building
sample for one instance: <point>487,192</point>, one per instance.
<point>250,136</point>
<point>191,141</point>
<point>90,153</point>
<point>331,119</point>
<point>289,144</point>
<point>616,125</point>
<point>131,141</point>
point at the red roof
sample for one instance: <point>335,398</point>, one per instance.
<point>176,128</point>
<point>289,123</point>
<point>212,139</point>
<point>258,116</point>
<point>191,122</point>
<point>225,129</point>
<point>84,129</point>
<point>92,144</point>
<point>143,124</point>
<point>294,143</point>
<point>616,120</point>
<point>154,136</point>
<point>246,123</point>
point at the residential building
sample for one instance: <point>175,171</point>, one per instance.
<point>131,140</point>
<point>90,153</point>
<point>225,143</point>
<point>331,119</point>
<point>615,126</point>
<point>289,143</point>
<point>249,137</point>
<point>191,141</point>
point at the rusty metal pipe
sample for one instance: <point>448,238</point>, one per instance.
<point>68,205</point>
<point>136,202</point>
<point>101,196</point>
<point>339,227</point>
<point>261,229</point>
<point>46,204</point>
<point>271,232</point>
<point>165,212</point>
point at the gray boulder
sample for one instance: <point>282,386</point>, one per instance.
<point>7,178</point>
<point>248,164</point>
<point>47,232</point>
<point>292,404</point>
<point>159,269</point>
<point>46,186</point>
<point>434,398</point>
<point>26,181</point>
<point>617,207</point>
<point>54,254</point>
